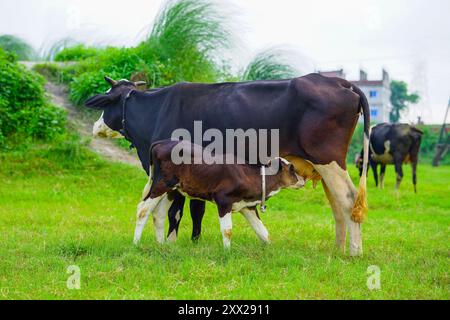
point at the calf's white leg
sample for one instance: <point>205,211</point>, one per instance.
<point>226,225</point>
<point>343,195</point>
<point>144,209</point>
<point>256,223</point>
<point>159,216</point>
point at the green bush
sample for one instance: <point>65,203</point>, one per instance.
<point>76,53</point>
<point>117,63</point>
<point>19,47</point>
<point>24,109</point>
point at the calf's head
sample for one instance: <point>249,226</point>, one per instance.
<point>110,122</point>
<point>287,176</point>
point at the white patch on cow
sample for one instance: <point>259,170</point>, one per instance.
<point>256,224</point>
<point>274,192</point>
<point>343,194</point>
<point>237,206</point>
<point>386,157</point>
<point>301,181</point>
<point>226,226</point>
<point>100,129</point>
<point>172,236</point>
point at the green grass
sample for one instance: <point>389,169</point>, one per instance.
<point>54,214</point>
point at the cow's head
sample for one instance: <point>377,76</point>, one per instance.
<point>287,176</point>
<point>110,122</point>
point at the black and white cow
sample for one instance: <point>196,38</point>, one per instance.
<point>393,143</point>
<point>315,115</point>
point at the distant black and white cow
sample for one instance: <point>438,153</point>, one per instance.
<point>232,187</point>
<point>395,144</point>
<point>314,115</point>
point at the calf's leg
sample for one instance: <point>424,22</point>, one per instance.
<point>175,215</point>
<point>343,195</point>
<point>144,209</point>
<point>159,216</point>
<point>225,221</point>
<point>197,208</point>
<point>253,218</point>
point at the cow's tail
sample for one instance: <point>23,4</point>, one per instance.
<point>360,208</point>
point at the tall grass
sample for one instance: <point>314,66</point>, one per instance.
<point>187,35</point>
<point>49,54</point>
<point>270,64</point>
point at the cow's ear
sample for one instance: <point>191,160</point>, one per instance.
<point>100,101</point>
<point>110,81</point>
<point>280,164</point>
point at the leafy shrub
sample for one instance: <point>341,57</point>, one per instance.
<point>115,62</point>
<point>76,53</point>
<point>24,110</point>
<point>19,47</point>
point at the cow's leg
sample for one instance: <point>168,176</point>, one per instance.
<point>144,209</point>
<point>253,218</point>
<point>343,194</point>
<point>197,208</point>
<point>399,171</point>
<point>374,166</point>
<point>414,173</point>
<point>175,215</point>
<point>382,173</point>
<point>338,218</point>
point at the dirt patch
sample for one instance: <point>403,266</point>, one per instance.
<point>105,147</point>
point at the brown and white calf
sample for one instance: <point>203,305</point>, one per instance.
<point>232,187</point>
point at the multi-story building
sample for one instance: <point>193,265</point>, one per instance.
<point>378,93</point>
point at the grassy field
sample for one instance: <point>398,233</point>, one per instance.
<point>55,213</point>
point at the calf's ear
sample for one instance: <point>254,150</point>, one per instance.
<point>100,101</point>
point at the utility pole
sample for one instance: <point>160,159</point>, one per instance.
<point>443,144</point>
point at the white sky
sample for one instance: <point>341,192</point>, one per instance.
<point>410,38</point>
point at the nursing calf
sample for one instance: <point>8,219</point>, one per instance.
<point>232,187</point>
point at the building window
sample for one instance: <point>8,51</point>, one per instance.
<point>373,93</point>
<point>374,113</point>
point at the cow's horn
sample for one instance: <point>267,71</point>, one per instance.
<point>110,81</point>
<point>140,83</point>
